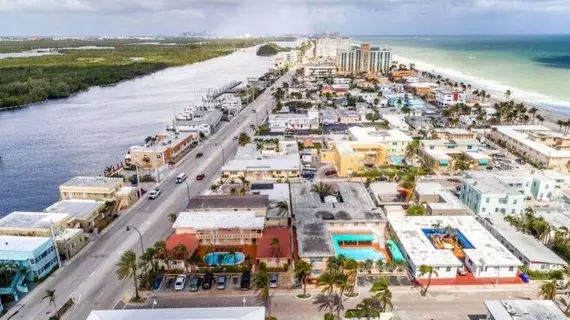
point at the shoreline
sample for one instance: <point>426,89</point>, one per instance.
<point>550,116</point>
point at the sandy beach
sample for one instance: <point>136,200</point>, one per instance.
<point>550,116</point>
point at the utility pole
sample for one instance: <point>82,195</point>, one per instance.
<point>138,179</point>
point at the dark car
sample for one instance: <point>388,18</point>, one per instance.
<point>194,284</point>
<point>207,281</point>
<point>330,172</point>
<point>245,280</point>
<point>199,155</point>
<point>200,176</point>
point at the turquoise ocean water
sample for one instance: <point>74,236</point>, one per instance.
<point>535,68</point>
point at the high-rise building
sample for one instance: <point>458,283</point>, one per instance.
<point>364,59</point>
<point>327,47</point>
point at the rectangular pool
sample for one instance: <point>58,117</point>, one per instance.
<point>358,254</point>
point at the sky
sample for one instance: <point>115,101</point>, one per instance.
<point>264,17</point>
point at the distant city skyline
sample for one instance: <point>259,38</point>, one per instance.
<point>256,17</point>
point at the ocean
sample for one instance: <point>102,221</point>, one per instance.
<point>536,68</point>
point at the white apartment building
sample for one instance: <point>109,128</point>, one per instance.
<point>341,80</point>
<point>396,122</point>
<point>294,121</point>
<point>486,194</point>
<point>537,143</point>
<point>395,140</point>
<point>327,47</point>
<point>199,121</point>
<point>449,98</point>
<point>320,70</point>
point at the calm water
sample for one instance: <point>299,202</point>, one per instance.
<point>25,54</point>
<point>45,145</point>
<point>534,68</point>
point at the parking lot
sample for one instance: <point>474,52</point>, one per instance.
<point>394,280</point>
<point>218,282</point>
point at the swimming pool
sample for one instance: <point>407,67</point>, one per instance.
<point>466,244</point>
<point>358,254</point>
<point>213,258</point>
<point>396,159</point>
<point>394,251</point>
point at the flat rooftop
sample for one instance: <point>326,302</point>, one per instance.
<point>447,199</point>
<point>79,209</point>
<point>167,141</point>
<point>21,244</point>
<point>68,234</point>
<point>248,157</point>
<point>32,220</point>
<point>219,220</point>
<point>524,310</point>
<point>530,247</point>
<point>274,191</point>
<point>557,218</point>
<point>490,185</point>
<point>228,201</point>
<point>353,194</point>
<point>314,238</point>
<point>225,313</point>
<point>420,249</point>
<point>93,182</point>
<point>371,135</point>
<point>516,133</point>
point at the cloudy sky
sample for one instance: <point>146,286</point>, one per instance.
<point>261,17</point>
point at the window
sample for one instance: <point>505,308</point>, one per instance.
<point>448,269</point>
<point>515,201</point>
<point>487,200</point>
<point>483,209</point>
<point>543,266</point>
<point>513,211</point>
<point>511,268</point>
<point>313,260</point>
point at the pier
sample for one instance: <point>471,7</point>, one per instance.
<point>213,94</point>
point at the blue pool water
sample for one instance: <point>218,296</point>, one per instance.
<point>460,237</point>
<point>394,251</point>
<point>396,159</point>
<point>358,254</point>
<point>212,259</point>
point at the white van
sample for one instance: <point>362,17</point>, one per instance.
<point>180,178</point>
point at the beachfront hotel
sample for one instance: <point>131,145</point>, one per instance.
<point>535,143</point>
<point>341,220</point>
<point>458,248</point>
<point>449,98</point>
<point>363,58</point>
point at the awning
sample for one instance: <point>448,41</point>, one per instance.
<point>443,163</point>
<point>483,162</point>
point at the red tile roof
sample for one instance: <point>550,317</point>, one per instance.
<point>264,249</point>
<point>187,240</point>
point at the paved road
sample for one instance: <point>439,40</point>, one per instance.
<point>408,305</point>
<point>89,278</point>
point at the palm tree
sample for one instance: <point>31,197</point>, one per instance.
<point>148,258</point>
<point>508,94</point>
<point>172,217</point>
<point>181,249</point>
<point>233,253</point>
<point>351,266</point>
<point>244,182</point>
<point>283,207</point>
<point>380,265</point>
<point>412,149</point>
<point>303,269</point>
<point>382,293</point>
<point>127,268</point>
<point>369,308</point>
<point>50,295</point>
<point>547,290</point>
<point>423,270</point>
<point>160,247</point>
<point>214,188</point>
<point>261,285</point>
<point>276,249</point>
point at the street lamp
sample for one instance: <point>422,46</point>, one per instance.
<point>187,188</point>
<point>140,236</point>
<point>223,152</point>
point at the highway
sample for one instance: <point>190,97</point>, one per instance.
<point>89,278</point>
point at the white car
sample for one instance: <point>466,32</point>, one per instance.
<point>154,194</point>
<point>180,282</point>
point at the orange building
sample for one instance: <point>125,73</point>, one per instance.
<point>399,74</point>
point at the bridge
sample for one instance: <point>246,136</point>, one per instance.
<point>213,94</point>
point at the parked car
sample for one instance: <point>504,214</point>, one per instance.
<point>245,280</point>
<point>520,161</point>
<point>199,155</point>
<point>252,126</point>
<point>154,194</point>
<point>194,284</point>
<point>207,281</point>
<point>200,177</point>
<point>330,172</point>
<point>221,282</point>
<point>180,282</point>
<point>273,278</point>
<point>253,110</point>
<point>235,138</point>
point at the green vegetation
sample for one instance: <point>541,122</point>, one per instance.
<point>31,80</point>
<point>269,49</point>
<point>416,211</point>
<point>543,275</point>
<point>244,139</point>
